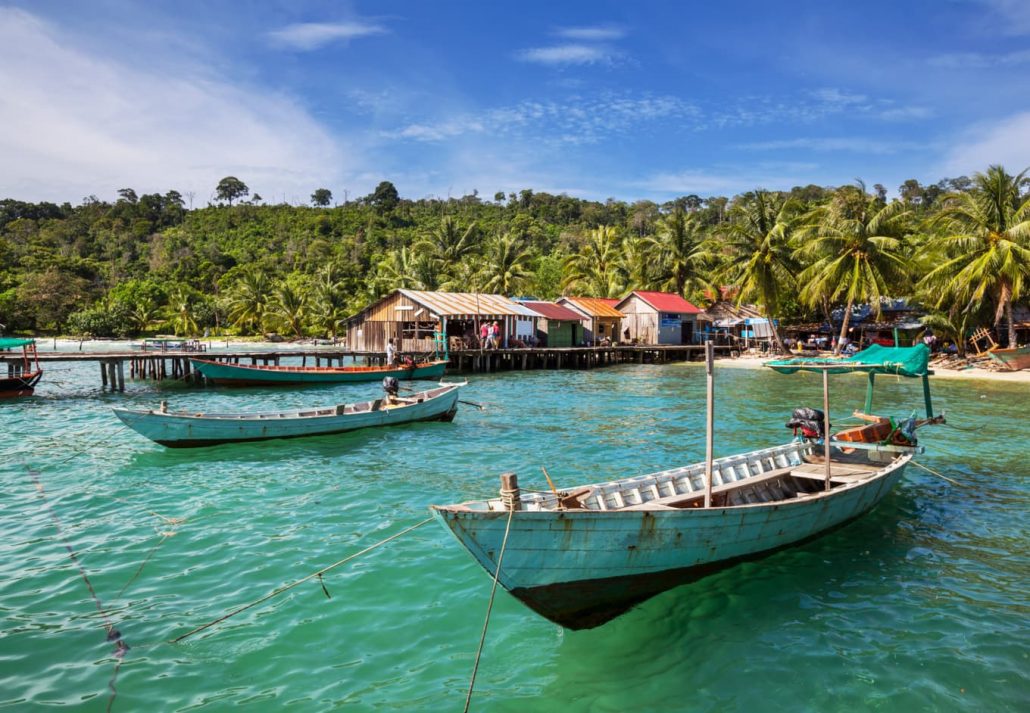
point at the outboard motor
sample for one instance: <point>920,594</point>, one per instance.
<point>809,421</point>
<point>391,386</point>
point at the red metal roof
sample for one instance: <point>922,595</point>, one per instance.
<point>664,302</point>
<point>553,311</point>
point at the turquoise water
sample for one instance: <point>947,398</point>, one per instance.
<point>920,605</point>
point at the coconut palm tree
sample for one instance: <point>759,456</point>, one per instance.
<point>406,268</point>
<point>683,256</point>
<point>248,302</point>
<point>328,301</point>
<point>449,245</point>
<point>759,256</point>
<point>180,309</point>
<point>143,314</point>
<point>596,270</point>
<point>289,305</point>
<point>983,245</point>
<point>855,245</point>
<point>506,264</point>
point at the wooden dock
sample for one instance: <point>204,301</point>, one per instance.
<point>162,365</point>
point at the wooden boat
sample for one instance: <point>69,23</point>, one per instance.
<point>22,376</point>
<point>260,375</point>
<point>1014,358</point>
<point>583,556</point>
<point>188,430</point>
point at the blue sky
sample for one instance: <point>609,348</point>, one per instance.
<point>641,100</point>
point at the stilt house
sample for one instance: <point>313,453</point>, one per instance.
<point>657,318</point>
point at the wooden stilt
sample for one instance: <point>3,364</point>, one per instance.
<point>709,421</point>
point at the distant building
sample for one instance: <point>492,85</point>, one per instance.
<point>414,317</point>
<point>559,326</point>
<point>598,316</point>
<point>657,318</point>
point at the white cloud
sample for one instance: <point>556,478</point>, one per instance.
<point>726,181</point>
<point>592,34</point>
<point>1015,13</point>
<point>307,36</point>
<point>867,146</point>
<point>906,113</point>
<point>75,124</point>
<point>1005,142</point>
<point>565,54</point>
<point>978,60</point>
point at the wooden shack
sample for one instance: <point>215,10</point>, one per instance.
<point>657,318</point>
<point>415,319</point>
<point>598,316</point>
<point>558,326</point>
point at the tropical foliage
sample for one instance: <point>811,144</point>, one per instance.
<point>150,263</point>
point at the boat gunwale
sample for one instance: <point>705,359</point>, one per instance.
<point>289,369</point>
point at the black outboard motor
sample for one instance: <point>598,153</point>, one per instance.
<point>391,386</point>
<point>809,421</point>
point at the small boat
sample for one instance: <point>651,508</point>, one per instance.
<point>582,556</point>
<point>1014,358</point>
<point>189,430</point>
<point>261,375</point>
<point>22,376</point>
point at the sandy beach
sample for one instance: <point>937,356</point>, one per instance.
<point>1013,377</point>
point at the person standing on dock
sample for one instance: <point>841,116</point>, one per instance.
<point>495,335</point>
<point>484,336</point>
<point>391,353</point>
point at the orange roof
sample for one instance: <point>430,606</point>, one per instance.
<point>595,306</point>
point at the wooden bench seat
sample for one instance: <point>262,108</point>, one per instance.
<point>678,498</point>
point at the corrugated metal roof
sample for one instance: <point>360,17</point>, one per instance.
<point>596,306</point>
<point>457,304</point>
<point>552,311</point>
<point>664,301</point>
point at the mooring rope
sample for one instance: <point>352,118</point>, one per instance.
<point>120,647</point>
<point>287,587</point>
<point>931,471</point>
<point>489,608</point>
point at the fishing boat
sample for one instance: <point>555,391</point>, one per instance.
<point>1014,358</point>
<point>24,374</point>
<point>262,375</point>
<point>188,430</point>
<point>584,555</point>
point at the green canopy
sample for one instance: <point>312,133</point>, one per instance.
<point>904,361</point>
<point>11,342</point>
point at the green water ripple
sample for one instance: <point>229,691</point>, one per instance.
<point>920,605</point>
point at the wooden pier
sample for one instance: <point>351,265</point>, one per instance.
<point>161,365</point>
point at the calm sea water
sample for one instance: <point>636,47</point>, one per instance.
<point>922,605</point>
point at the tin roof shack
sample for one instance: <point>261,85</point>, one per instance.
<point>657,318</point>
<point>413,316</point>
<point>598,316</point>
<point>740,325</point>
<point>558,327</point>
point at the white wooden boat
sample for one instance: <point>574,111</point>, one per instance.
<point>583,556</point>
<point>187,430</point>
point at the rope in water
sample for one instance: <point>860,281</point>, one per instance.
<point>287,587</point>
<point>931,471</point>
<point>120,647</point>
<point>489,607</point>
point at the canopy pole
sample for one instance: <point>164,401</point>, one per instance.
<point>826,424</point>
<point>709,421</point>
<point>869,394</point>
<point>926,396</point>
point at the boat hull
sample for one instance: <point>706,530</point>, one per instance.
<point>14,386</point>
<point>1016,358</point>
<point>256,375</point>
<point>185,431</point>
<point>582,568</point>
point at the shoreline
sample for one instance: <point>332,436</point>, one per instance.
<point>1010,377</point>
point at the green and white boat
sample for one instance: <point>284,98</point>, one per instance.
<point>582,556</point>
<point>190,430</point>
<point>262,375</point>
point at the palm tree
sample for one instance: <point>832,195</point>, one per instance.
<point>758,251</point>
<point>249,301</point>
<point>180,310</point>
<point>289,305</point>
<point>983,245</point>
<point>406,268</point>
<point>449,244</point>
<point>683,254</point>
<point>329,302</point>
<point>855,244</point>
<point>506,264</point>
<point>143,314</point>
<point>596,270</point>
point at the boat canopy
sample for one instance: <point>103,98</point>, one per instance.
<point>11,342</point>
<point>902,361</point>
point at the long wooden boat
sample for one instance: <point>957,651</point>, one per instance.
<point>585,555</point>
<point>261,375</point>
<point>188,430</point>
<point>1014,358</point>
<point>22,376</point>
